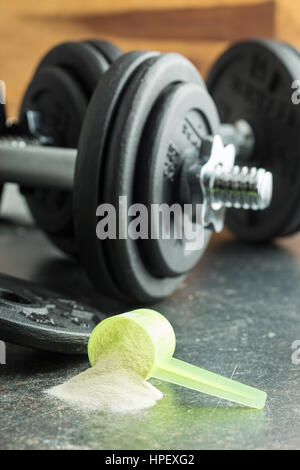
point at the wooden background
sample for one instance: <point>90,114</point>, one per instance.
<point>198,29</point>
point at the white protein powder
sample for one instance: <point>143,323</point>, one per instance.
<point>108,387</point>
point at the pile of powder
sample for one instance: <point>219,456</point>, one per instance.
<point>108,386</point>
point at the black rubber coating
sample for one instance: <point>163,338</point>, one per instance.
<point>63,112</point>
<point>182,116</point>
<point>293,224</point>
<point>34,317</point>
<point>90,166</point>
<point>253,81</point>
<point>132,86</point>
<point>52,209</point>
<point>148,83</point>
<point>2,119</point>
<point>109,50</point>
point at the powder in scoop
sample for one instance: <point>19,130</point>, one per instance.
<point>109,387</point>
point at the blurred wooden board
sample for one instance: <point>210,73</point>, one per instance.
<point>199,30</point>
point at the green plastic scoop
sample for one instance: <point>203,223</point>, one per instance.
<point>144,340</point>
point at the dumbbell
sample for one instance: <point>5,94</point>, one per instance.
<point>251,84</point>
<point>51,113</point>
<point>152,133</point>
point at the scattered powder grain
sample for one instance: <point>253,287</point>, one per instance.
<point>108,386</point>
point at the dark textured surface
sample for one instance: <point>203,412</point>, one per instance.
<point>33,317</point>
<point>237,314</point>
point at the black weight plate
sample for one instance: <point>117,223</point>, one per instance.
<point>83,64</point>
<point>152,78</point>
<point>52,209</point>
<point>81,59</point>
<point>293,224</point>
<point>32,316</point>
<point>182,116</point>
<point>2,119</point>
<point>109,50</point>
<point>252,81</point>
<point>90,166</point>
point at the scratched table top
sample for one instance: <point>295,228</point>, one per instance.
<point>237,314</point>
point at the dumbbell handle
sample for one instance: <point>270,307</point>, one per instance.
<point>29,164</point>
<point>26,162</point>
<point>241,135</point>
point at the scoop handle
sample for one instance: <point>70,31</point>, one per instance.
<point>195,378</point>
